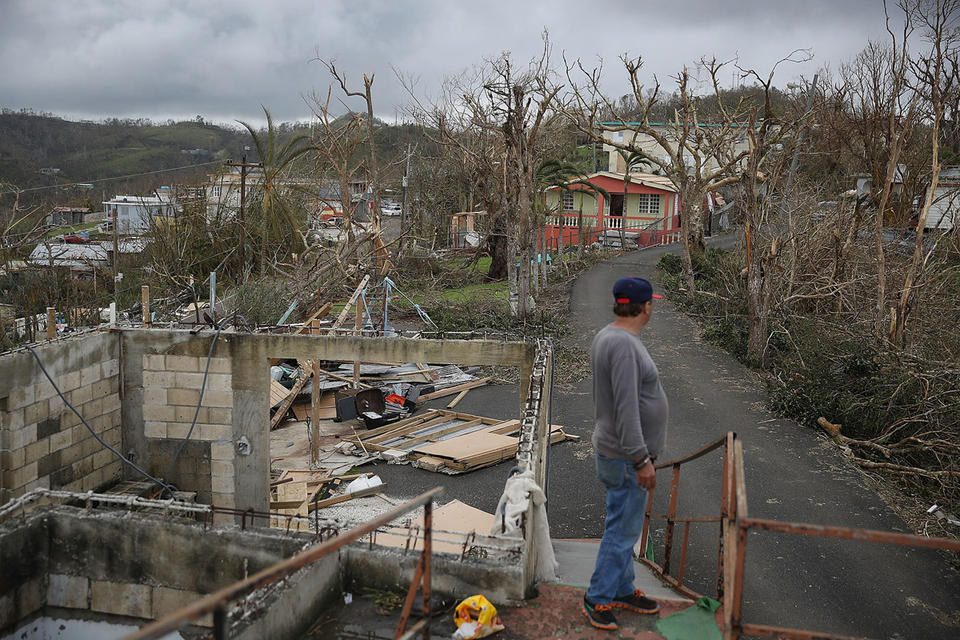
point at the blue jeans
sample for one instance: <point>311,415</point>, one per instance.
<point>626,504</point>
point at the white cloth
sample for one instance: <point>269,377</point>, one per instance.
<point>517,494</point>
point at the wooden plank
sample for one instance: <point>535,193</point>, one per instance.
<point>455,516</point>
<point>433,437</point>
<point>449,391</point>
<point>293,393</point>
<point>369,491</point>
<point>456,401</point>
<point>430,463</point>
<point>467,446</point>
<point>337,376</point>
<point>347,307</point>
<point>278,392</point>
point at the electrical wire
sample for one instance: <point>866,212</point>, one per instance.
<point>203,386</point>
<point>130,463</point>
<point>132,175</point>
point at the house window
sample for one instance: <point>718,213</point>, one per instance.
<point>566,201</point>
<point>217,190</point>
<point>649,203</point>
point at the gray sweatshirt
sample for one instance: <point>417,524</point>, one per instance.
<point>630,405</point>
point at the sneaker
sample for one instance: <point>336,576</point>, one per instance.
<point>599,615</point>
<point>637,602</point>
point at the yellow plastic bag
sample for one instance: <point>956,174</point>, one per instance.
<point>476,617</point>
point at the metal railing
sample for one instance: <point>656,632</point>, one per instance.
<point>727,444</point>
<point>735,524</point>
<point>217,602</point>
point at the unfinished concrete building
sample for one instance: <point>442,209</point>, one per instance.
<point>71,550</point>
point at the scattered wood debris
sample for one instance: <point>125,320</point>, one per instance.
<point>449,441</point>
<point>454,519</point>
<point>299,492</point>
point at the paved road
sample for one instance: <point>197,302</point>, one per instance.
<point>791,474</point>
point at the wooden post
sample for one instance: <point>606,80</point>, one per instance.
<point>314,416</point>
<point>51,323</point>
<point>357,325</point>
<point>145,305</point>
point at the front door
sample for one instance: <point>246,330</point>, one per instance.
<point>616,204</point>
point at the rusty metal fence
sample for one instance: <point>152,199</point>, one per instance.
<point>734,524</point>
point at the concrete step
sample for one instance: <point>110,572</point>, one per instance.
<point>578,557</point>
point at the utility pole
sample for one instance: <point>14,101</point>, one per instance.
<point>116,259</point>
<point>241,215</point>
<point>406,183</point>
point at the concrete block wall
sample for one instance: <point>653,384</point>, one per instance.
<point>227,459</point>
<point>171,392</point>
<point>42,442</point>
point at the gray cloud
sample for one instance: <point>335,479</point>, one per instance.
<point>221,59</point>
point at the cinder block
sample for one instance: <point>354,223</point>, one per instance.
<point>188,380</point>
<point>20,397</point>
<point>184,363</point>
<point>56,405</point>
<point>14,459</point>
<point>219,382</point>
<point>154,395</point>
<point>101,458</point>
<point>110,368</point>
<point>81,395</point>
<point>220,365</point>
<point>13,419</point>
<point>221,451</point>
<point>111,403</point>
<point>92,409</point>
<point>154,363</point>
<point>185,414</point>
<point>157,413</point>
<point>30,596</point>
<point>158,379</point>
<point>84,466</point>
<point>216,432</point>
<point>69,381</point>
<point>227,500</point>
<point>101,388</point>
<point>90,375</point>
<point>122,599</point>
<point>74,452</point>
<point>42,482</point>
<point>221,468</point>
<point>221,485</point>
<point>166,601</point>
<point>36,450</point>
<point>155,429</point>
<point>36,412</point>
<point>43,390</point>
<point>68,419</point>
<point>218,399</point>
<point>113,436</point>
<point>183,397</point>
<point>178,430</point>
<point>22,437</point>
<point>218,415</point>
<point>61,440</point>
<point>70,592</point>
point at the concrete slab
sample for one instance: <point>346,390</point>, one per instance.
<point>577,558</point>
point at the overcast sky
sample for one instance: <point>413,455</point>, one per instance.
<point>162,59</point>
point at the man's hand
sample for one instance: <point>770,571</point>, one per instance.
<point>647,476</point>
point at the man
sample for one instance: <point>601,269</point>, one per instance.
<point>630,410</point>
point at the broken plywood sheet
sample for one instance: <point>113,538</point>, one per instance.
<point>327,408</point>
<point>455,520</point>
<point>278,393</point>
<point>472,444</point>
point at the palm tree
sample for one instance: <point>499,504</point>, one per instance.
<point>277,215</point>
<point>631,160</point>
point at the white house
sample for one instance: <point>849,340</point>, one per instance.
<point>648,144</point>
<point>945,210</point>
<point>135,214</point>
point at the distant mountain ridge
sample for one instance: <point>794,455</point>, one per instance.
<point>87,151</point>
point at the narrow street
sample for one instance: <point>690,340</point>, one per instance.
<point>792,474</point>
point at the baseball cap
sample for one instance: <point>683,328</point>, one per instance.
<point>632,289</point>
